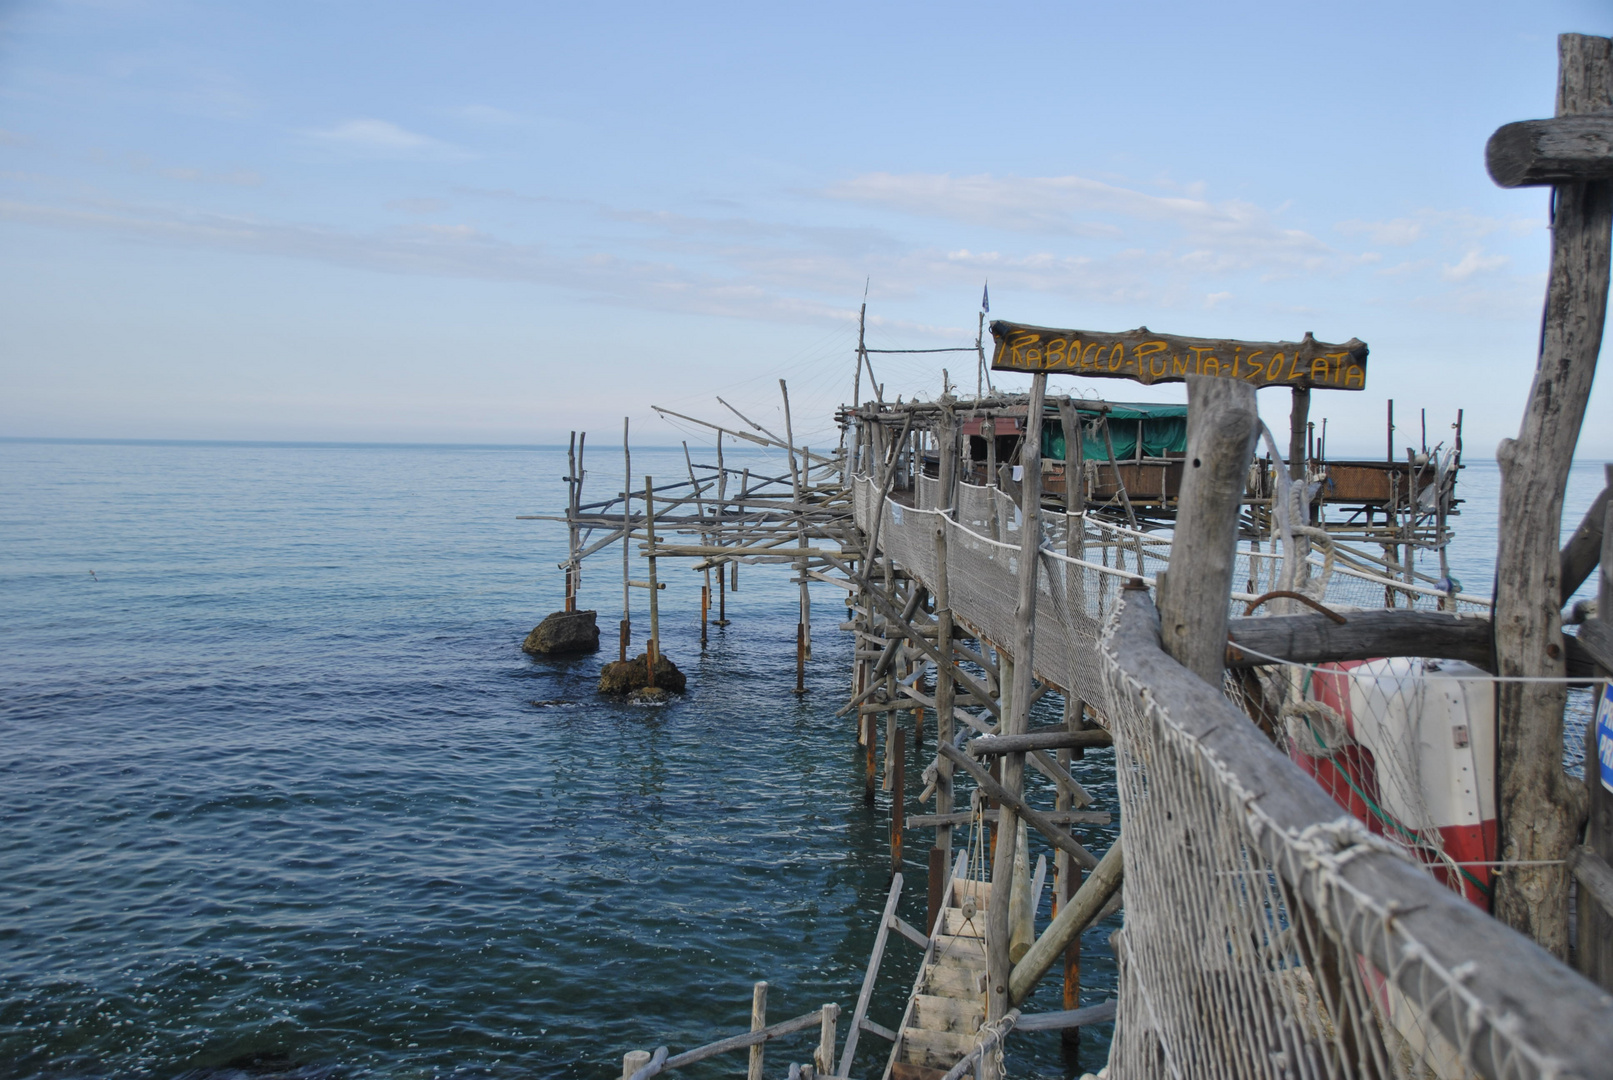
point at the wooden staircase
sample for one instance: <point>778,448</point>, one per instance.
<point>948,1002</point>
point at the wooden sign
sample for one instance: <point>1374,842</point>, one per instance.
<point>1146,357</point>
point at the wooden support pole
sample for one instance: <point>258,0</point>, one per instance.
<point>1076,915</point>
<point>1013,805</point>
<point>1298,422</point>
<point>1016,711</point>
<point>627,538</point>
<point>571,524</point>
<point>824,1059</point>
<point>1538,808</point>
<point>1583,550</point>
<point>898,798</point>
<point>653,652</point>
<point>758,1021</point>
<point>870,741</point>
<point>633,1061</point>
<point>1222,425</point>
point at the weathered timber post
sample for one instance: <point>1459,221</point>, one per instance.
<point>1222,425</point>
<point>824,1058</point>
<point>1595,960</point>
<point>1538,808</point>
<point>945,698</point>
<point>898,753</point>
<point>758,1021</point>
<point>633,1061</point>
<point>627,540</point>
<point>722,578</point>
<point>1016,717</point>
<point>1298,418</point>
<point>1067,872</point>
<point>653,652</point>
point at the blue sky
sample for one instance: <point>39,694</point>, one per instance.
<point>497,222</point>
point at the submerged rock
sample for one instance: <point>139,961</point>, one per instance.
<point>624,677</point>
<point>649,695</point>
<point>562,633</point>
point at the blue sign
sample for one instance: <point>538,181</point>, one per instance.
<point>1604,735</point>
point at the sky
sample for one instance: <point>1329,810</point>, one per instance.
<point>500,222</point>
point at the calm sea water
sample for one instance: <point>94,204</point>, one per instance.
<point>278,784</point>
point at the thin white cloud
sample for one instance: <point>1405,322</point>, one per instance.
<point>1219,236</point>
<point>382,138</point>
<point>1394,233</point>
<point>1474,262</point>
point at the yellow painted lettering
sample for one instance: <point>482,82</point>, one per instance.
<point>1319,369</point>
<point>1117,356</point>
<point>1256,368</point>
<point>1355,376</point>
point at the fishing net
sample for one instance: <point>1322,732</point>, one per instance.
<point>1250,948</point>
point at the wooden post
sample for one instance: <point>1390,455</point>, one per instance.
<point>1389,435</point>
<point>898,762</point>
<point>722,577</point>
<point>824,1059</point>
<point>574,461</point>
<point>653,652</point>
<point>1069,882</point>
<point>1298,422</point>
<point>803,627</point>
<point>1222,425</point>
<point>633,1061</point>
<point>1021,913</point>
<point>1595,959</point>
<point>758,1021</point>
<point>705,607</point>
<point>1538,807</point>
<point>1016,713</point>
<point>627,540</point>
<point>870,740</point>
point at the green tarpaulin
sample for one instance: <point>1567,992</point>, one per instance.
<point>1163,429</point>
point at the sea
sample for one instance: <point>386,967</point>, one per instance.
<point>281,798</point>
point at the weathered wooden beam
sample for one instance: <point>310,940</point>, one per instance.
<point>1016,719</point>
<point>1222,425</point>
<point>987,745</point>
<point>1313,638</point>
<point>1584,549</point>
<point>1562,150</point>
<point>1067,1018</point>
<point>1073,918</point>
<point>1538,808</point>
<point>1055,835</point>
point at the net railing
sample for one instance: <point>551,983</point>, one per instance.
<point>1085,563</point>
<point>1269,933</point>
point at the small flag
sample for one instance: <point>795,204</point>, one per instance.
<point>985,298</point>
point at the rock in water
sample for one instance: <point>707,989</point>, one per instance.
<point>649,695</point>
<point>623,677</point>
<point>564,632</point>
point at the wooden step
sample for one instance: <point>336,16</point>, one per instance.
<point>972,949</point>
<point>980,890</point>
<point>955,979</point>
<point>961,1016</point>
<point>954,923</point>
<point>936,1049</point>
